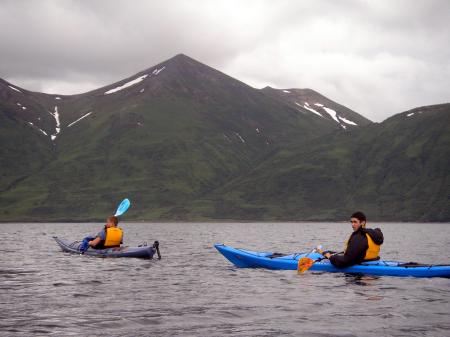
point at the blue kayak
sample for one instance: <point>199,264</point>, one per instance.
<point>249,259</point>
<point>143,252</point>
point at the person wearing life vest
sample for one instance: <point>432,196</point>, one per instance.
<point>362,245</point>
<point>109,237</point>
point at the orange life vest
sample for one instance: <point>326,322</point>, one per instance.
<point>113,237</point>
<point>372,253</point>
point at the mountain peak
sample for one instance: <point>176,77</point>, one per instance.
<point>180,60</point>
<point>181,56</point>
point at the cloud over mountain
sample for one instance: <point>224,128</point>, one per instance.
<point>379,57</point>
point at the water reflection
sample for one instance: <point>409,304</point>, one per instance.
<point>361,280</point>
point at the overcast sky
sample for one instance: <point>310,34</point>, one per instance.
<point>377,57</point>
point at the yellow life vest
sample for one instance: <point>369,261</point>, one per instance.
<point>113,237</point>
<point>372,252</point>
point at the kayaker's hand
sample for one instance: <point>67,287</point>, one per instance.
<point>327,255</point>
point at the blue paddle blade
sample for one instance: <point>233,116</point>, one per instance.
<point>123,207</point>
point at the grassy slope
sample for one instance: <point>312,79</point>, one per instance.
<point>162,150</point>
<point>397,170</point>
<point>24,151</point>
<point>176,151</point>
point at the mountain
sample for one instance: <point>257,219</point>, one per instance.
<point>396,170</point>
<point>184,141</point>
<point>164,137</point>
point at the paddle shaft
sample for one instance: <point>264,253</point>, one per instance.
<point>308,264</point>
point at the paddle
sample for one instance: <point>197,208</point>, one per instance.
<point>306,262</point>
<point>123,207</point>
<point>156,246</point>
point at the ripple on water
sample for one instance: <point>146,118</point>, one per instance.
<point>194,291</point>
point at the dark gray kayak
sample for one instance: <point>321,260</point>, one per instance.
<point>143,252</point>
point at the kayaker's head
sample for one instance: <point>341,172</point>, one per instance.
<point>112,221</point>
<point>358,220</point>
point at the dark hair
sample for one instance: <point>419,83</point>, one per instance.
<point>359,215</point>
<point>114,219</point>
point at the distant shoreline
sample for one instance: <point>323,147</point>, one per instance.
<point>214,221</point>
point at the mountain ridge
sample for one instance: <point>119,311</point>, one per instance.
<point>184,141</point>
<point>396,170</point>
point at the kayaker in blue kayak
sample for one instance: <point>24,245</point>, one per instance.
<point>110,236</point>
<point>362,245</point>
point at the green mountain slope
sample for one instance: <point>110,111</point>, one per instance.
<point>396,170</point>
<point>184,141</point>
<point>24,149</point>
<point>163,137</point>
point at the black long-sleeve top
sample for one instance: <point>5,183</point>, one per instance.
<point>356,247</point>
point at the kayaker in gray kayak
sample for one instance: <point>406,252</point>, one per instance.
<point>110,236</point>
<point>362,245</point>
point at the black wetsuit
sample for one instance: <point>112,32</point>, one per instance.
<point>356,247</point>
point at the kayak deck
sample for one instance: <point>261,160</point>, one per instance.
<point>144,252</point>
<point>250,259</point>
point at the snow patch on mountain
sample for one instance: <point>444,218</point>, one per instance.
<point>308,107</point>
<point>22,106</point>
<point>287,91</point>
<point>45,133</point>
<point>239,136</point>
<point>15,89</point>
<point>413,113</point>
<point>79,119</point>
<point>157,71</point>
<point>332,113</point>
<point>126,85</point>
<point>55,114</point>
<point>345,120</point>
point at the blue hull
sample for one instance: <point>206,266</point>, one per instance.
<point>249,259</point>
<point>145,252</point>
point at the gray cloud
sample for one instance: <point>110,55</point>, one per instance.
<point>376,57</point>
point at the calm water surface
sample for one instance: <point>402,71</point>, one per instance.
<point>194,291</point>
